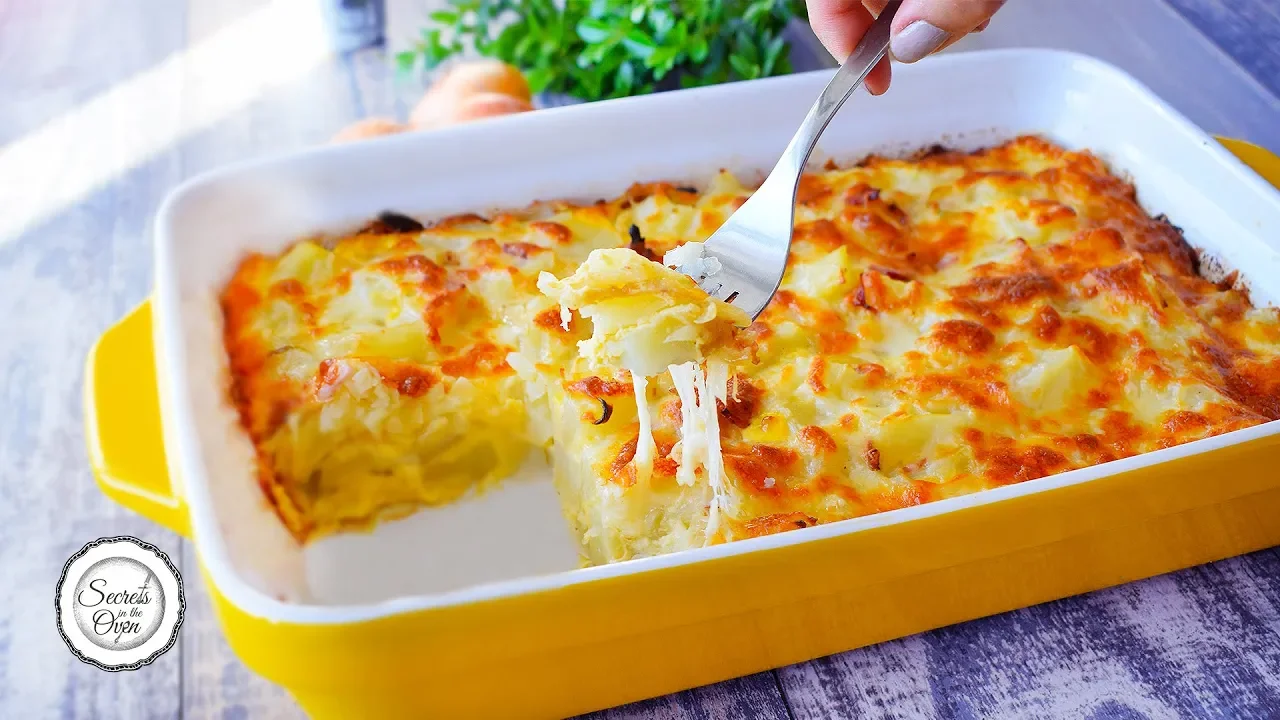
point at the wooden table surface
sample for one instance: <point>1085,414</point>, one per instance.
<point>108,104</point>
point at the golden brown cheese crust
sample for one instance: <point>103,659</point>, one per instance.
<point>373,377</point>
<point>948,323</point>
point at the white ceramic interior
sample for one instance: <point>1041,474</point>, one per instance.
<point>514,539</point>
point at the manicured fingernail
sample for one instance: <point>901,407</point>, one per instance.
<point>917,40</point>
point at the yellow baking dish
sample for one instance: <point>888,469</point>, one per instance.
<point>548,643</point>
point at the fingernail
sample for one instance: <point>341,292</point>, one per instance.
<point>917,40</point>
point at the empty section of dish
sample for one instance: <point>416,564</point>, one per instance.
<point>511,531</point>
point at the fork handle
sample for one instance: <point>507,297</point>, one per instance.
<point>873,46</point>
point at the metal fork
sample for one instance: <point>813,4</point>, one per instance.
<point>752,246</point>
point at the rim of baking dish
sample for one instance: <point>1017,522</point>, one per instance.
<point>212,549</point>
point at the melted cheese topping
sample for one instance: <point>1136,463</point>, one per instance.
<point>948,323</point>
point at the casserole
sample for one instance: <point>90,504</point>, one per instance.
<point>428,614</point>
<point>949,322</point>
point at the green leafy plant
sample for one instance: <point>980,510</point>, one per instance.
<point>594,49</point>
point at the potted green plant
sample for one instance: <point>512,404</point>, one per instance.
<point>597,49</point>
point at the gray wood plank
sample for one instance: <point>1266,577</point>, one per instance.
<point>1247,30</point>
<point>61,284</point>
<point>754,697</point>
<point>1204,642</point>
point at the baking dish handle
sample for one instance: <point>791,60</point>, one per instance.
<point>1263,161</point>
<point>122,422</point>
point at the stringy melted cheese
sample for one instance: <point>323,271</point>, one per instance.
<point>948,323</point>
<point>647,318</point>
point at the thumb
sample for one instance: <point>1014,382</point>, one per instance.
<point>923,27</point>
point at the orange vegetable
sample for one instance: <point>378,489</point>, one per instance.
<point>450,93</point>
<point>487,104</point>
<point>368,128</point>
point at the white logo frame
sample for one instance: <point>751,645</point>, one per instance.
<point>170,594</point>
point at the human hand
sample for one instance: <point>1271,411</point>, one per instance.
<point>921,27</point>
